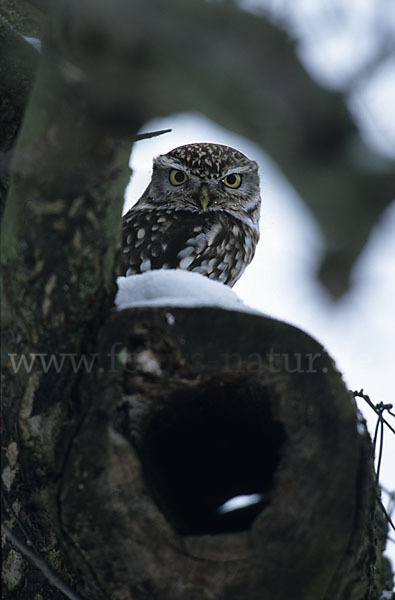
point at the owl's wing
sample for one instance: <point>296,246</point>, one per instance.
<point>155,239</point>
<point>211,243</point>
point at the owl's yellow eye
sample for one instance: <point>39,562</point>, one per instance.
<point>232,181</point>
<point>177,177</point>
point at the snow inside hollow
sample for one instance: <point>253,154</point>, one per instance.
<point>176,287</point>
<point>240,502</point>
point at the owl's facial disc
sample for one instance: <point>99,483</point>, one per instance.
<point>189,182</point>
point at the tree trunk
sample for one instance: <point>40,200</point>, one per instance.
<point>204,405</point>
<point>181,410</point>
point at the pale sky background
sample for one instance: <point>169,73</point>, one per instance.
<point>358,331</point>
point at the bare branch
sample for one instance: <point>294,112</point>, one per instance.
<point>152,134</point>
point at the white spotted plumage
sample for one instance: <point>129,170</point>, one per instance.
<point>205,220</point>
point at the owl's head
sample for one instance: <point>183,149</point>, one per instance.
<point>205,177</point>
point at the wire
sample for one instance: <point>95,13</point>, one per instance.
<point>46,570</point>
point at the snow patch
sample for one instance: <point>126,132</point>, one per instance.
<point>148,363</point>
<point>170,318</point>
<point>238,502</point>
<point>35,42</point>
<point>176,287</point>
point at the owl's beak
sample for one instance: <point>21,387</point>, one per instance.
<point>204,197</point>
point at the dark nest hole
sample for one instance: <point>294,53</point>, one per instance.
<point>210,445</point>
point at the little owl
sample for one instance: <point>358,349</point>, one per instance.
<point>200,212</point>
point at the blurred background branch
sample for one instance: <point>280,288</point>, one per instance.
<point>242,71</point>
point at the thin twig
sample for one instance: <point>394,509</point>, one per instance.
<point>13,514</point>
<point>379,410</point>
<point>365,397</point>
<point>380,449</point>
<point>49,573</point>
<point>386,514</point>
<point>150,134</point>
<point>376,430</point>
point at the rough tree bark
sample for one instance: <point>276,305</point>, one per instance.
<point>193,407</point>
<point>114,469</point>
